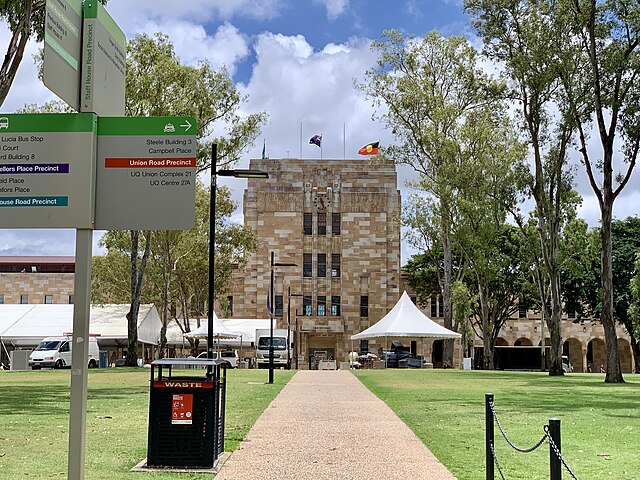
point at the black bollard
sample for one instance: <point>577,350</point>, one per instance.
<point>488,420</point>
<point>555,465</point>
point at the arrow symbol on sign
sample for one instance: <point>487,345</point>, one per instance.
<point>186,125</point>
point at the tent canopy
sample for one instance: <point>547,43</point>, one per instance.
<point>220,330</point>
<point>406,320</point>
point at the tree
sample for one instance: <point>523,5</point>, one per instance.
<point>428,87</point>
<point>633,312</point>
<point>158,84</point>
<point>26,19</point>
<point>516,34</point>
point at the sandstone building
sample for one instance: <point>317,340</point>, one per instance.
<point>338,221</point>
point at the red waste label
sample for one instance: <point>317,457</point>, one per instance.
<point>182,409</point>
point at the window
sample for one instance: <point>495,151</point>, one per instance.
<point>322,265</point>
<point>1,299</point>
<point>335,305</point>
<point>279,305</point>
<point>414,299</point>
<point>364,346</point>
<point>24,299</point>
<point>71,299</point>
<point>307,223</point>
<point>48,299</point>
<point>440,307</point>
<point>570,314</point>
<point>364,306</point>
<point>434,307</point>
<point>306,305</point>
<point>522,311</point>
<point>322,223</point>
<point>335,264</point>
<point>322,305</point>
<point>335,224</point>
<point>64,347</point>
<point>307,265</point>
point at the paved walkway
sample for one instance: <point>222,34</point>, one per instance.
<point>326,425</point>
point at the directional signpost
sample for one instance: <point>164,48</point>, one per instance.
<point>46,171</point>
<point>146,171</point>
<point>62,49</point>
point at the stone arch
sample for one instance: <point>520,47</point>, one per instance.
<point>523,342</point>
<point>596,358</point>
<point>572,348</point>
<point>501,342</point>
<point>624,353</point>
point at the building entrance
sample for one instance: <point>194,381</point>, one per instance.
<point>321,348</point>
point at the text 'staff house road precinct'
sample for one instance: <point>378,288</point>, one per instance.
<point>146,173</point>
<point>47,170</point>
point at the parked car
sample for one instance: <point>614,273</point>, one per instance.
<point>231,356</point>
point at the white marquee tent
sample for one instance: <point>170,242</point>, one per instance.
<point>405,320</point>
<point>27,325</point>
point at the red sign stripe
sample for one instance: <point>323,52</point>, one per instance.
<point>150,162</point>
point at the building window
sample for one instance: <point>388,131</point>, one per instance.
<point>48,299</point>
<point>570,314</point>
<point>71,299</point>
<point>306,305</point>
<point>322,305</point>
<point>522,311</point>
<point>24,299</point>
<point>364,306</point>
<point>434,307</point>
<point>230,304</point>
<point>414,299</point>
<point>279,301</point>
<point>440,307</point>
<point>335,264</point>
<point>364,346</point>
<point>322,265</point>
<point>322,223</point>
<point>1,299</point>
<point>307,265</point>
<point>307,223</point>
<point>335,224</point>
<point>335,305</point>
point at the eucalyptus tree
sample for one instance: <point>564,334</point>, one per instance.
<point>425,88</point>
<point>158,84</point>
<point>516,33</point>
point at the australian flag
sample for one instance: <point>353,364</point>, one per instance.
<point>316,140</point>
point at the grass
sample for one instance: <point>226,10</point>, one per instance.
<point>600,423</point>
<point>34,420</point>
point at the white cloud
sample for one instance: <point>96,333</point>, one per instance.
<point>335,8</point>
<point>225,48</point>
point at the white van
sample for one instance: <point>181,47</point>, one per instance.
<point>55,352</point>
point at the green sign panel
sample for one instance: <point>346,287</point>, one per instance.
<point>62,49</point>
<point>47,172</point>
<point>145,176</point>
<point>103,64</point>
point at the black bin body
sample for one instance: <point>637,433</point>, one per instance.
<point>186,415</point>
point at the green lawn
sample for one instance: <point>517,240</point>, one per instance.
<point>34,420</point>
<point>600,422</point>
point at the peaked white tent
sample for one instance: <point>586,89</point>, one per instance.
<point>405,320</point>
<point>220,330</point>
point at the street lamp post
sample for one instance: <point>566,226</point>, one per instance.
<point>237,173</point>
<point>289,327</point>
<point>297,339</point>
<point>271,310</point>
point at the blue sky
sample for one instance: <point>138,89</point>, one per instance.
<point>294,59</point>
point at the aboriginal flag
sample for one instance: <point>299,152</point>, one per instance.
<point>370,149</point>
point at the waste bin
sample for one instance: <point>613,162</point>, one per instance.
<point>104,359</point>
<point>186,412</point>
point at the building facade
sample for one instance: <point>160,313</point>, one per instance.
<point>338,222</point>
<point>37,279</point>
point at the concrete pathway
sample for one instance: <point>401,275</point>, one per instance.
<point>326,425</point>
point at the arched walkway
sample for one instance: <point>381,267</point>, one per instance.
<point>501,342</point>
<point>596,359</point>
<point>523,342</point>
<point>572,348</point>
<point>624,353</point>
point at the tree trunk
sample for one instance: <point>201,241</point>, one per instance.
<point>137,278</point>
<point>447,354</point>
<point>487,332</point>
<point>613,370</point>
<point>554,322</point>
